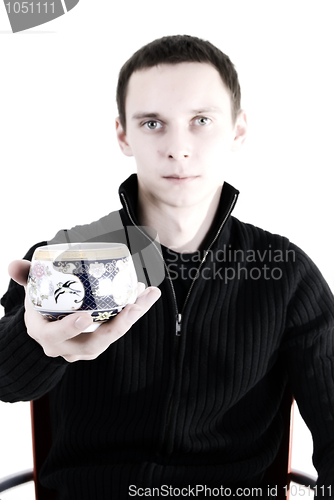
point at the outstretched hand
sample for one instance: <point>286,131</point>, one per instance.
<point>65,338</point>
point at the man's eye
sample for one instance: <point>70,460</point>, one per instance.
<point>202,120</point>
<point>152,125</point>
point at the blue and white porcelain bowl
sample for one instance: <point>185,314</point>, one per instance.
<point>99,278</point>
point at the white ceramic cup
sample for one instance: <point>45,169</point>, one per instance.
<point>99,278</point>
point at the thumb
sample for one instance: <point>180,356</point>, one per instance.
<point>18,270</point>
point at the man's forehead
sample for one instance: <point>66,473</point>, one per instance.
<point>168,71</point>
<point>191,83</point>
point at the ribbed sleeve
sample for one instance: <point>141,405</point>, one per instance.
<point>309,352</point>
<point>26,373</point>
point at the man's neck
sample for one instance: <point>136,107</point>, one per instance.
<point>182,229</point>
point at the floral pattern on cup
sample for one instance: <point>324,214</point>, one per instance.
<point>40,284</point>
<point>63,280</point>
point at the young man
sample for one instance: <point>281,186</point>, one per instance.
<point>189,397</point>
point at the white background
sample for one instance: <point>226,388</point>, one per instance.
<point>61,164</point>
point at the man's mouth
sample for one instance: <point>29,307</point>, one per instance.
<point>180,179</point>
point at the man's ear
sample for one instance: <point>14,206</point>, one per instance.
<point>122,139</point>
<point>240,131</point>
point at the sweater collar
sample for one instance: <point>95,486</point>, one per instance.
<point>128,193</point>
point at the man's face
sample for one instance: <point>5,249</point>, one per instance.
<point>180,131</point>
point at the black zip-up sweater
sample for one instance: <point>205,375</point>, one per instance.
<point>190,395</point>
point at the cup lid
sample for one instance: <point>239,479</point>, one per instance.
<point>81,251</point>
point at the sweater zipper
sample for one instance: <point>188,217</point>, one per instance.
<point>178,316</point>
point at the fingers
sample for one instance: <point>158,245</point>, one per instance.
<point>144,302</point>
<point>90,346</point>
<point>53,335</point>
<point>65,338</point>
<point>140,288</point>
<point>18,270</point>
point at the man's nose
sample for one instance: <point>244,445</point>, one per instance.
<point>178,155</point>
<point>178,145</point>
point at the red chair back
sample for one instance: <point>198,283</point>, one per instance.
<point>42,439</point>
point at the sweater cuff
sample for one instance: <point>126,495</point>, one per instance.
<point>26,372</point>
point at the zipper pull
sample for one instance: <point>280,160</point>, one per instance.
<point>178,324</point>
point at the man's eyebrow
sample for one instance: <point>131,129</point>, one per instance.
<point>207,109</point>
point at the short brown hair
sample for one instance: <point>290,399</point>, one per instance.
<point>173,50</point>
